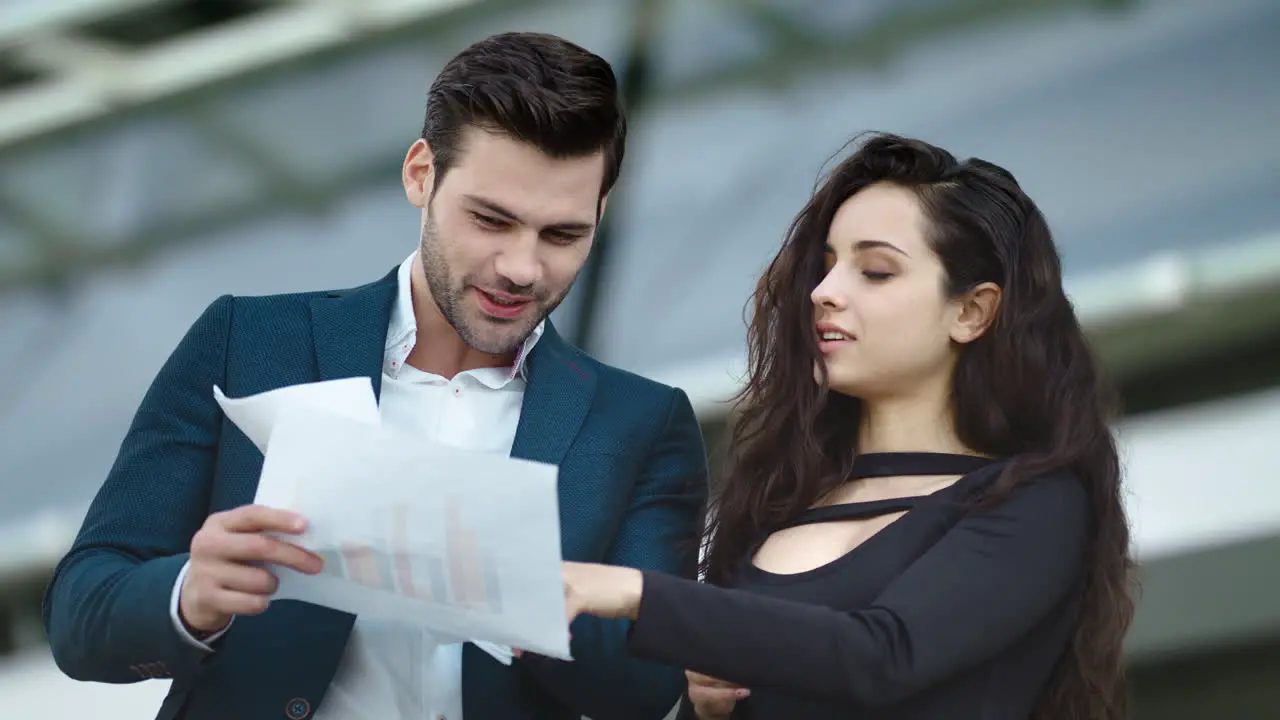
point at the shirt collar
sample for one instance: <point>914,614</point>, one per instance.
<point>402,335</point>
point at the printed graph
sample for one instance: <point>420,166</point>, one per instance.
<point>459,571</point>
<point>473,577</point>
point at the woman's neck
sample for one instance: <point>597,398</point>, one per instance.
<point>909,424</point>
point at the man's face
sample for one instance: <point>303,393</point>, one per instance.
<point>504,234</point>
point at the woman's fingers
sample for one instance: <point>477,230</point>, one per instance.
<point>713,697</point>
<point>706,680</point>
<point>715,702</point>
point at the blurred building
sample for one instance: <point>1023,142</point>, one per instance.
<point>155,154</point>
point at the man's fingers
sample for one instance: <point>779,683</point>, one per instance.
<point>258,518</point>
<point>245,579</point>
<point>248,548</point>
<point>230,602</point>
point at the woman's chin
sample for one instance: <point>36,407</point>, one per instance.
<point>841,385</point>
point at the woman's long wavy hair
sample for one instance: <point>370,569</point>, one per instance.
<point>1028,390</point>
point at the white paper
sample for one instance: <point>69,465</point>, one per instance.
<point>465,544</point>
<point>256,415</point>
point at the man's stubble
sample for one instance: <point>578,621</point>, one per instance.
<point>449,297</point>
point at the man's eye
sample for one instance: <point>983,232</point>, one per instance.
<point>562,238</point>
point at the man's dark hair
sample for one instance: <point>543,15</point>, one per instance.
<point>534,87</point>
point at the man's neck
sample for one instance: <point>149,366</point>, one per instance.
<point>444,354</point>
<point>439,349</point>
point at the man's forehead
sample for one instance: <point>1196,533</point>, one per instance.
<point>569,220</point>
<point>521,182</point>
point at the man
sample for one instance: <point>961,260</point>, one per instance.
<point>522,142</point>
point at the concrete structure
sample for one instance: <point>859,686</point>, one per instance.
<point>1147,134</point>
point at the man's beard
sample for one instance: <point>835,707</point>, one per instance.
<point>450,298</point>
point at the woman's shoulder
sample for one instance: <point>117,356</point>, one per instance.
<point>1062,489</point>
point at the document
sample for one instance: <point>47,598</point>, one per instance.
<point>465,544</point>
<point>256,415</point>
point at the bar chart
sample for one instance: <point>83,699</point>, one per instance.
<point>437,557</point>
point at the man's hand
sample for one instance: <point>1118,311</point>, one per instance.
<point>222,580</point>
<point>713,699</point>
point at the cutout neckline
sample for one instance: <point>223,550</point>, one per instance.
<point>894,464</point>
<point>887,464</point>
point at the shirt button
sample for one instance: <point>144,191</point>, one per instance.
<point>456,391</point>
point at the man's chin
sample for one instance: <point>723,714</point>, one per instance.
<point>496,337</point>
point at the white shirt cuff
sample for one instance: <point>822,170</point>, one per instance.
<point>177,618</point>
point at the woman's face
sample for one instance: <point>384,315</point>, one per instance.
<point>884,323</point>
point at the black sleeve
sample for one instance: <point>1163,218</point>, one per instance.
<point>989,580</point>
<point>604,681</point>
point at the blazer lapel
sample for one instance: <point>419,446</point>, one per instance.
<point>556,401</point>
<point>349,329</point>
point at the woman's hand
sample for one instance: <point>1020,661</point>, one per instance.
<point>614,592</point>
<point>713,699</point>
<point>601,590</point>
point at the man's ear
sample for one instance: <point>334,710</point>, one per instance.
<point>978,309</point>
<point>418,173</point>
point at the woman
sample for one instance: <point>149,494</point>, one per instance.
<point>921,517</point>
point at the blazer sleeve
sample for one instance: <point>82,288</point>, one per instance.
<point>106,609</point>
<point>659,535</point>
<point>989,580</point>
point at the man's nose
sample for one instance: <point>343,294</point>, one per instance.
<point>519,264</point>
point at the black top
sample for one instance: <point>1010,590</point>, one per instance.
<point>951,611</point>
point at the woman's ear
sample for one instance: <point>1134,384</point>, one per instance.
<point>978,309</point>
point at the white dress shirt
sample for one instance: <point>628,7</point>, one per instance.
<point>390,671</point>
